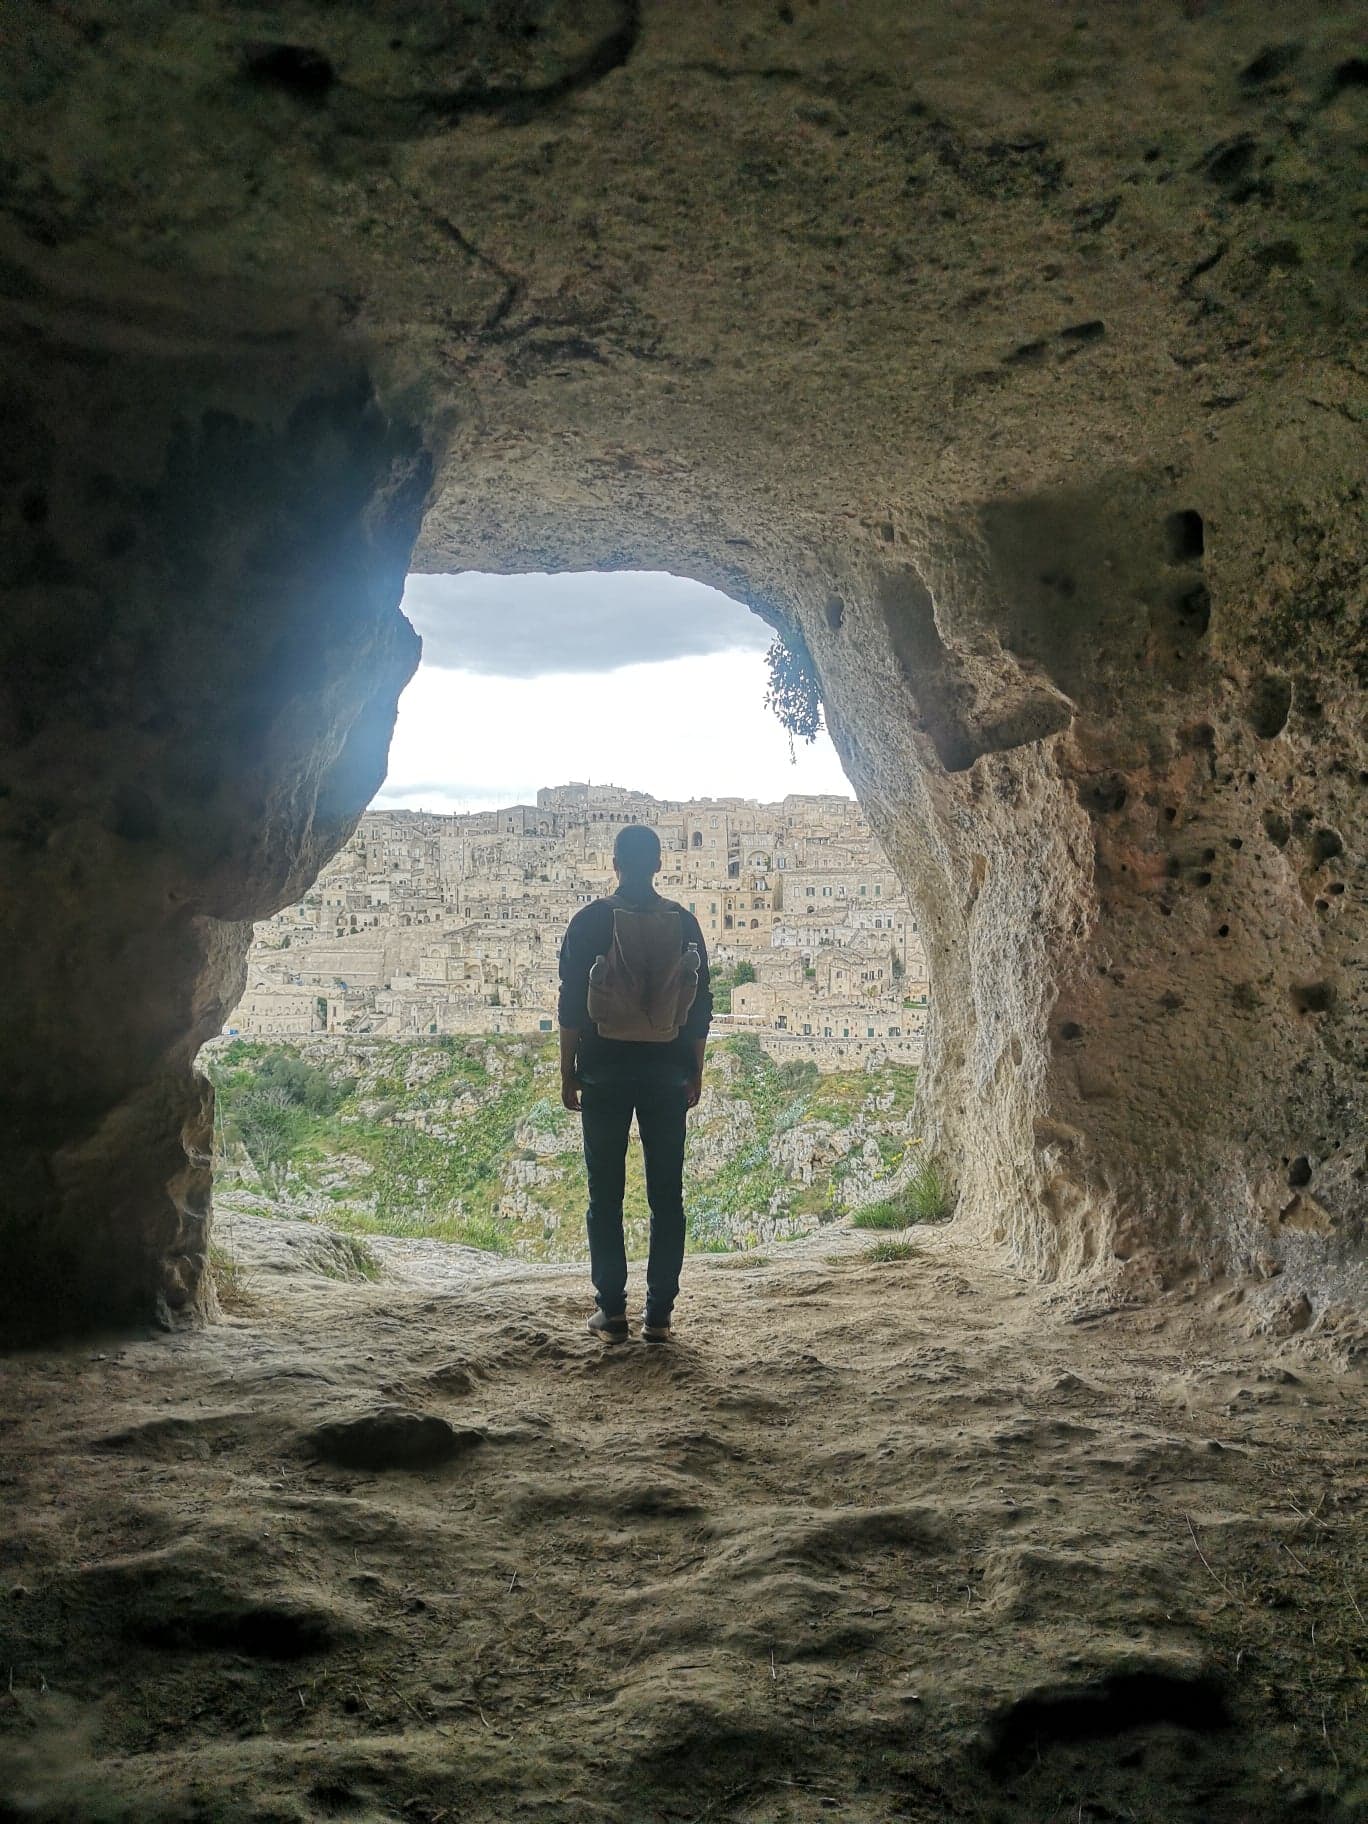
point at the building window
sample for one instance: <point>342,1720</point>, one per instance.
<point>869,1032</point>
<point>543,1025</point>
<point>806,1027</point>
<point>863,891</point>
<point>877,890</point>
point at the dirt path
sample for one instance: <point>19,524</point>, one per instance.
<point>868,1542</point>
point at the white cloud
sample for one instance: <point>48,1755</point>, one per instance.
<point>686,728</point>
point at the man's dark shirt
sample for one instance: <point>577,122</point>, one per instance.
<point>590,935</point>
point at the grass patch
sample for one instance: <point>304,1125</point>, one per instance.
<point>231,1282</point>
<point>358,1261</point>
<point>889,1250</point>
<point>888,1214</point>
<point>924,1198</point>
<point>484,1231</point>
<point>742,1263</point>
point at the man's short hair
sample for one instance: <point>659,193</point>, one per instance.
<point>637,849</point>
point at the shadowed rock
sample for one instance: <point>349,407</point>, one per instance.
<point>390,1438</point>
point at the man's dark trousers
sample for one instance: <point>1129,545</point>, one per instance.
<point>661,1106</point>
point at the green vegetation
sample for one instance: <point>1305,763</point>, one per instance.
<point>465,1140</point>
<point>924,1198</point>
<point>794,693</point>
<point>889,1250</point>
<point>231,1285</point>
<point>886,1215</point>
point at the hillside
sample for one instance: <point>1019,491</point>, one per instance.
<point>466,1140</point>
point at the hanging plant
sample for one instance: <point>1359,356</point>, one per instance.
<point>794,693</point>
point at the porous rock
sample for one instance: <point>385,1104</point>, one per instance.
<point>1028,335</point>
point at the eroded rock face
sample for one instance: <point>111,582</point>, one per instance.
<point>202,660</point>
<point>1006,359</point>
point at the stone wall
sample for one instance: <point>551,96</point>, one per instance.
<point>1006,357</point>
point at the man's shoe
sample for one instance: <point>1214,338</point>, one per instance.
<point>655,1330</point>
<point>610,1329</point>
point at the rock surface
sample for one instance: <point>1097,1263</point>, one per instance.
<point>1005,357</point>
<point>975,1566</point>
<point>390,1438</point>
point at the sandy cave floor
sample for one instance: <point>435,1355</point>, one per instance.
<point>867,1542</point>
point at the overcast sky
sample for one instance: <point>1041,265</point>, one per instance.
<point>627,678</point>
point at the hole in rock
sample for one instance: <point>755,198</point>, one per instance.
<point>1270,703</point>
<point>1299,1172</point>
<point>1104,796</point>
<point>1184,536</point>
<point>1193,607</point>
<point>1312,997</point>
<point>294,68</point>
<point>1112,1706</point>
<point>259,1631</point>
<point>393,1064</point>
<point>1326,844</point>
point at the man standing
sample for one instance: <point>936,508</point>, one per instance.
<point>634,1012</point>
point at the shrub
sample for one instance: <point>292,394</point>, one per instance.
<point>300,1083</point>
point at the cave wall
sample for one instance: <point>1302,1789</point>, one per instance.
<point>1148,1034</point>
<point>1008,359</point>
<point>202,656</point>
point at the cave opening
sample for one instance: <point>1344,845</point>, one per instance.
<point>389,1069</point>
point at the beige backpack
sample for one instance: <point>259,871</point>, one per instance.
<point>644,987</point>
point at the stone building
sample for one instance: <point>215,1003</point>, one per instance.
<point>426,924</point>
